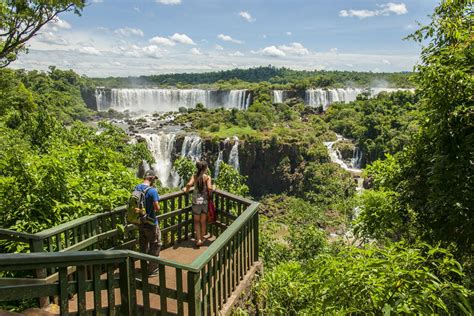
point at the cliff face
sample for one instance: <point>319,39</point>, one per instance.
<point>269,167</point>
<point>88,96</point>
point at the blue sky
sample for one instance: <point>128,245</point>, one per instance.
<point>142,37</point>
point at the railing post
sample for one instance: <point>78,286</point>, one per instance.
<point>127,287</point>
<point>255,236</point>
<point>36,245</point>
<point>194,293</point>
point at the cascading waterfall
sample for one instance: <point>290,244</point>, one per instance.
<point>220,159</point>
<point>325,97</point>
<point>192,147</point>
<point>335,156</point>
<point>161,147</point>
<point>164,100</point>
<point>375,91</point>
<point>234,155</point>
<point>356,160</point>
<point>277,96</point>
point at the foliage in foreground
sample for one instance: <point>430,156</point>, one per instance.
<point>397,279</point>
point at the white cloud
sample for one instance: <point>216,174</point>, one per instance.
<point>236,54</point>
<point>294,49</point>
<point>386,62</point>
<point>264,36</point>
<point>169,2</point>
<point>153,51</point>
<point>218,47</point>
<point>52,38</point>
<point>246,16</point>
<point>137,9</point>
<point>97,1</point>
<point>227,38</point>
<point>385,10</point>
<point>272,51</point>
<point>57,24</point>
<point>158,40</point>
<point>397,8</point>
<point>289,33</point>
<point>182,38</point>
<point>195,51</point>
<point>333,50</point>
<point>89,50</point>
<point>129,31</point>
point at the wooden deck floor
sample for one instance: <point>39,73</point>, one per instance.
<point>184,252</point>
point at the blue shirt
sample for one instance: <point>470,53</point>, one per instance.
<point>150,197</point>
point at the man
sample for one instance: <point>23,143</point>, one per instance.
<point>150,234</point>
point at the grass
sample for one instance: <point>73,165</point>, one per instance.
<point>225,132</point>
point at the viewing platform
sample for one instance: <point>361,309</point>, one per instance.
<point>92,266</point>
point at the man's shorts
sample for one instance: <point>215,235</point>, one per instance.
<point>199,209</point>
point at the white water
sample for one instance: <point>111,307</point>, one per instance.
<point>335,156</point>
<point>220,159</point>
<point>277,96</point>
<point>192,147</point>
<point>164,100</point>
<point>234,155</point>
<point>375,91</point>
<point>325,97</point>
<point>161,147</point>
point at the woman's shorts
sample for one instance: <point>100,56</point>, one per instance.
<point>199,209</point>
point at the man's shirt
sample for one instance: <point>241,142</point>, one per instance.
<point>150,197</point>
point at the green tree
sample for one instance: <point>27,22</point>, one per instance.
<point>20,20</point>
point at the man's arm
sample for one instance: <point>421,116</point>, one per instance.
<point>156,198</point>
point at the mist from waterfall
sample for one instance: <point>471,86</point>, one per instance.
<point>161,147</point>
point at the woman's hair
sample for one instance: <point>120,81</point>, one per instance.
<point>201,169</point>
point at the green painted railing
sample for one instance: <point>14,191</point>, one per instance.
<point>110,278</point>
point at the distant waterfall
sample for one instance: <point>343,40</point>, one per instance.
<point>164,100</point>
<point>325,97</point>
<point>375,91</point>
<point>161,147</point>
<point>100,100</point>
<point>335,156</point>
<point>192,147</point>
<point>356,160</point>
<point>277,96</point>
<point>234,155</point>
<point>220,159</point>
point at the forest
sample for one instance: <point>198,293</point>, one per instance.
<point>411,243</point>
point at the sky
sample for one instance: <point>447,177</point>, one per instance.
<point>144,37</point>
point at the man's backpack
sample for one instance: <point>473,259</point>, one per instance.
<point>136,206</point>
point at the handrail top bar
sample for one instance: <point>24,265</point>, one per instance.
<point>82,257</point>
<point>222,240</point>
<point>22,235</point>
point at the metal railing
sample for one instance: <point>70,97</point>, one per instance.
<point>111,279</point>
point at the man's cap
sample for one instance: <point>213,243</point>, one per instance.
<point>150,174</point>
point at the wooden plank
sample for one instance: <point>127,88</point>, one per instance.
<point>97,271</point>
<point>125,291</point>
<point>81,291</point>
<point>179,290</point>
<point>25,291</point>
<point>194,293</point>
<point>216,288</point>
<point>132,285</point>
<point>110,290</point>
<point>63,292</point>
<point>255,238</point>
<point>204,282</point>
<point>145,287</point>
<point>163,301</point>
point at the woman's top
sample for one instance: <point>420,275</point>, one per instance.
<point>200,197</point>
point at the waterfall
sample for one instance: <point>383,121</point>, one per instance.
<point>325,97</point>
<point>161,147</point>
<point>335,156</point>
<point>356,161</point>
<point>165,100</point>
<point>220,159</point>
<point>192,147</point>
<point>100,100</point>
<point>217,165</point>
<point>234,155</point>
<point>277,96</point>
<point>375,91</point>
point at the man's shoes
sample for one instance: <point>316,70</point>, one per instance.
<point>154,272</point>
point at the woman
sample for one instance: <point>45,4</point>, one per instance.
<point>202,191</point>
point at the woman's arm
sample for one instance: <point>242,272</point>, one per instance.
<point>209,184</point>
<point>189,184</point>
